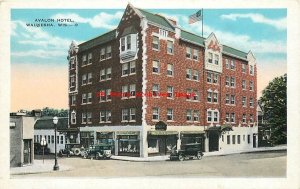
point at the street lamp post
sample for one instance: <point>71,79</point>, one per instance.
<point>55,120</point>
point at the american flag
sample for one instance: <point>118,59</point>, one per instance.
<point>195,17</point>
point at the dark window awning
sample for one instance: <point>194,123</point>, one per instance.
<point>192,132</point>
<point>68,130</point>
<point>127,133</point>
<point>159,133</point>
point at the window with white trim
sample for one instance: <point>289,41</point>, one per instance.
<point>155,90</point>
<point>169,114</point>
<point>132,67</point>
<point>102,95</point>
<point>244,118</point>
<point>102,116</point>
<point>244,101</point>
<point>123,44</point>
<point>251,70</point>
<point>251,102</point>
<point>84,61</point>
<point>73,100</point>
<point>128,42</point>
<point>83,81</point>
<point>163,33</point>
<point>215,95</point>
<point>155,68</point>
<point>227,101</point>
<point>89,78</point>
<point>73,117</point>
<point>209,76</point>
<point>170,69</point>
<point>209,96</point>
<point>155,114</point>
<point>196,54</point>
<point>125,70</point>
<point>189,74</point>
<point>89,99</point>
<point>90,58</point>
<point>132,114</point>
<point>108,94</point>
<point>89,117</point>
<point>227,82</point>
<point>83,117</point>
<point>83,98</point>
<point>102,75</point>
<point>216,78</point>
<point>132,90</point>
<point>210,57</point>
<point>125,93</point>
<point>243,84</point>
<point>108,116</point>
<point>102,54</point>
<point>251,118</point>
<point>196,95</point>
<point>72,81</point>
<point>72,61</point>
<point>216,59</point>
<point>155,42</point>
<point>232,117</point>
<point>251,85</point>
<point>243,68</point>
<point>188,52</point>
<point>125,114</point>
<point>227,63</point>
<point>232,81</point>
<point>170,92</point>
<point>189,115</point>
<point>170,47</point>
<point>227,118</point>
<point>188,94</point>
<point>216,116</point>
<point>108,73</point>
<point>196,75</point>
<point>196,115</point>
<point>108,52</point>
<point>232,65</point>
<point>232,101</point>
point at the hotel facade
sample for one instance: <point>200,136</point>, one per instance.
<point>149,86</point>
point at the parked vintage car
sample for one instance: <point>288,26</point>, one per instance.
<point>98,151</point>
<point>187,151</point>
<point>72,149</point>
<point>38,149</point>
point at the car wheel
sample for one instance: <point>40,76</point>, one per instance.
<point>180,157</point>
<point>199,156</point>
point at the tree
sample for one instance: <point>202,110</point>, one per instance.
<point>54,112</point>
<point>274,106</point>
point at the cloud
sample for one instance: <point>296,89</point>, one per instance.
<point>39,53</point>
<point>101,20</point>
<point>279,24</point>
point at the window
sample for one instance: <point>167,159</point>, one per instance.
<point>169,114</point>
<point>125,116</point>
<point>155,68</point>
<point>90,58</point>
<point>244,118</point>
<point>233,139</point>
<point>196,95</point>
<point>251,118</point>
<point>210,57</point>
<point>73,100</point>
<point>196,75</point>
<point>72,61</point>
<point>155,43</point>
<point>57,139</point>
<point>83,116</point>
<point>49,139</point>
<point>216,116</point>
<point>132,90</point>
<point>108,116</point>
<point>227,63</point>
<point>155,90</point>
<point>216,59</point>
<point>209,76</point>
<point>243,68</point>
<point>170,47</point>
<point>232,99</point>
<point>170,92</point>
<point>189,115</point>
<point>244,101</point>
<point>102,116</point>
<point>215,97</point>
<point>155,113</point>
<point>128,42</point>
<point>108,52</point>
<point>72,81</point>
<point>102,75</point>
<point>196,115</point>
<point>108,73</point>
<point>108,94</point>
<point>227,99</point>
<point>243,84</point>
<point>227,81</point>
<point>249,139</point>
<point>89,101</point>
<point>132,114</point>
<point>102,96</point>
<point>90,78</point>
<point>123,44</point>
<point>61,139</point>
<point>195,55</point>
<point>52,139</point>
<point>228,139</point>
<point>232,117</point>
<point>209,116</point>
<point>84,62</point>
<point>216,78</point>
<point>163,33</point>
<point>232,65</point>
<point>188,73</point>
<point>244,137</point>
<point>232,82</point>
<point>89,117</point>
<point>102,54</point>
<point>188,94</point>
<point>125,91</point>
<point>188,52</point>
<point>209,96</point>
<point>251,85</point>
<point>83,81</point>
<point>227,117</point>
<point>251,102</point>
<point>125,70</point>
<point>170,69</point>
<point>83,99</point>
<point>251,70</point>
<point>132,67</point>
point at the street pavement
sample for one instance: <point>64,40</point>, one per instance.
<point>258,164</point>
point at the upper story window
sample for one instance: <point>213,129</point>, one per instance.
<point>102,54</point>
<point>195,55</point>
<point>170,92</point>
<point>73,100</point>
<point>210,57</point>
<point>155,90</point>
<point>170,47</point>
<point>89,78</point>
<point>155,67</point>
<point>244,118</point>
<point>227,99</point>
<point>232,82</point>
<point>132,90</point>
<point>155,114</point>
<point>108,73</point>
<point>189,73</point>
<point>232,65</point>
<point>251,118</point>
<point>227,82</point>
<point>128,42</point>
<point>243,68</point>
<point>72,61</point>
<point>216,59</point>
<point>108,52</point>
<point>232,118</point>
<point>89,99</point>
<point>89,58</point>
<point>196,75</point>
<point>251,102</point>
<point>212,116</point>
<point>72,81</point>
<point>251,85</point>
<point>209,75</point>
<point>251,70</point>
<point>102,75</point>
<point>128,68</point>
<point>170,69</point>
<point>216,78</point>
<point>123,44</point>
<point>232,99</point>
<point>83,82</point>
<point>244,84</point>
<point>244,101</point>
<point>227,63</point>
<point>189,115</point>
<point>155,42</point>
<point>83,99</point>
<point>188,52</point>
<point>163,33</point>
<point>169,114</point>
<point>73,118</point>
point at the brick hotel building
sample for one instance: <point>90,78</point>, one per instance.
<point>148,53</point>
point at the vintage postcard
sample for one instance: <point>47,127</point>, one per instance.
<point>132,90</point>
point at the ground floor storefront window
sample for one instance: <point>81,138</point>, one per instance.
<point>128,145</point>
<point>86,139</point>
<point>161,144</point>
<point>193,138</point>
<point>106,138</point>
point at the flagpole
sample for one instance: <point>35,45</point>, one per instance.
<point>202,21</point>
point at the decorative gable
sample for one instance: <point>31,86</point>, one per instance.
<point>251,62</point>
<point>213,54</point>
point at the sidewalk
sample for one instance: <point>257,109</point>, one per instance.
<point>206,154</point>
<point>38,167</point>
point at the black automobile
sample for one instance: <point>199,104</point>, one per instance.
<point>38,149</point>
<point>72,149</point>
<point>187,151</point>
<point>98,151</point>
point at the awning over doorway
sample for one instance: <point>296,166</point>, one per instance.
<point>159,133</point>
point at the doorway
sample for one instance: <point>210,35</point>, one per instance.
<point>27,151</point>
<point>213,141</point>
<point>254,141</point>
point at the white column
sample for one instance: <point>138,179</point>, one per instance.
<point>206,141</point>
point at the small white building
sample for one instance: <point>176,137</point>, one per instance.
<point>44,127</point>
